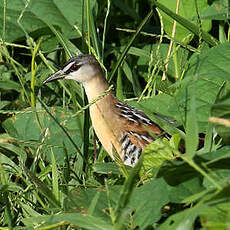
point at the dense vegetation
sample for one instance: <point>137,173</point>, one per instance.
<point>169,57</point>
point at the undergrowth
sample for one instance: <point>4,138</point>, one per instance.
<point>168,58</point>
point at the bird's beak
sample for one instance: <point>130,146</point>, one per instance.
<point>58,75</point>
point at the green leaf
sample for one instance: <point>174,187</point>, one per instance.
<point>148,201</point>
<point>127,71</point>
<point>185,26</point>
<point>10,85</point>
<point>76,219</point>
<point>43,188</point>
<point>221,109</point>
<point>191,138</point>
<point>126,49</point>
<point>188,189</point>
<point>219,10</point>
<point>206,74</point>
<point>80,200</point>
<point>119,89</point>
<point>106,168</point>
<point>176,172</point>
<point>160,52</point>
<point>12,148</point>
<point>36,14</point>
<point>54,176</point>
<point>216,217</point>
<point>37,128</point>
<point>121,212</point>
<point>155,154</point>
<point>182,220</point>
<point>218,155</point>
<point>10,165</point>
<point>28,210</point>
<point>68,46</point>
<point>4,103</point>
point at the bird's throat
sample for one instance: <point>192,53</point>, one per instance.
<point>95,87</point>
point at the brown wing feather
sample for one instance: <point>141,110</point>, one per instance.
<point>136,129</point>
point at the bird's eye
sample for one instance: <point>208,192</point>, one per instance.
<point>74,67</point>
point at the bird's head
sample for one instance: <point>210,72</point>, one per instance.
<point>81,68</point>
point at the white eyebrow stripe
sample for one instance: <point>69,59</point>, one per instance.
<point>68,66</point>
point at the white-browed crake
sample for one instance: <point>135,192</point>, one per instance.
<point>116,124</point>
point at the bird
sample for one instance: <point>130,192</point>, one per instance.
<point>118,126</point>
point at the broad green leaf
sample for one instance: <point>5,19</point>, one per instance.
<point>188,11</point>
<point>37,129</point>
<point>155,154</point>
<point>219,10</point>
<point>216,214</point>
<point>148,201</point>
<point>186,189</point>
<point>182,220</point>
<point>36,14</point>
<point>122,212</point>
<point>9,85</point>
<point>203,80</point>
<point>218,155</point>
<point>221,175</point>
<point>191,138</point>
<point>106,168</point>
<point>80,200</point>
<point>159,104</point>
<point>216,217</point>
<point>177,172</point>
<point>77,219</point>
<point>28,210</point>
<point>139,52</point>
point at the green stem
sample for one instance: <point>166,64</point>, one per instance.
<point>125,51</point>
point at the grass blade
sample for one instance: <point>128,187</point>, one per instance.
<point>105,27</point>
<point>5,198</point>
<point>63,129</point>
<point>126,49</point>
<point>121,211</point>
<point>33,72</point>
<point>54,176</point>
<point>43,188</point>
<point>69,48</point>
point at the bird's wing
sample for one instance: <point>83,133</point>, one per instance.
<point>137,132</point>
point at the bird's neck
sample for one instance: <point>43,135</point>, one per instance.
<point>95,87</point>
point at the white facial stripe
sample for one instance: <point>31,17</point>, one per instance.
<point>68,66</point>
